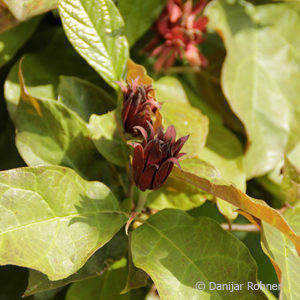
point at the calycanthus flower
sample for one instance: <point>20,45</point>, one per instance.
<point>153,160</point>
<point>138,106</point>
<point>179,30</point>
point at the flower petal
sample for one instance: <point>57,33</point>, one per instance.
<point>137,162</point>
<point>146,179</point>
<point>170,134</point>
<point>155,154</point>
<point>162,174</point>
<point>175,12</point>
<point>178,145</point>
<point>143,132</point>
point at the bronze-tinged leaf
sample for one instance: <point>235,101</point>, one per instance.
<point>137,71</point>
<point>231,194</point>
<point>24,93</point>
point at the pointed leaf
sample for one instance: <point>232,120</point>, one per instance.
<point>95,29</point>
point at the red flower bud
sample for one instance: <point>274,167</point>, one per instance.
<point>138,106</point>
<point>154,159</point>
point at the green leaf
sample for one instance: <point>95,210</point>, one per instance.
<point>11,41</point>
<point>186,119</point>
<point>176,194</point>
<point>84,97</point>
<point>42,69</point>
<point>283,252</point>
<point>53,135</point>
<point>108,286</point>
<point>137,278</point>
<point>95,29</point>
<point>260,76</point>
<point>97,264</point>
<point>290,184</point>
<point>63,221</point>
<point>26,9</point>
<point>105,135</point>
<point>164,246</point>
<point>139,16</point>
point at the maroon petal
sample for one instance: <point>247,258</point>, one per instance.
<point>160,134</point>
<point>162,174</point>
<point>180,155</point>
<point>147,149</point>
<point>178,145</point>
<point>152,133</point>
<point>125,111</point>
<point>142,131</point>
<point>155,154</point>
<point>137,162</point>
<point>170,134</point>
<point>146,179</point>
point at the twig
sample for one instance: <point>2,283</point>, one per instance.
<point>240,227</point>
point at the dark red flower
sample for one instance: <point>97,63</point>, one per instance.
<point>138,106</point>
<point>179,30</point>
<point>153,160</point>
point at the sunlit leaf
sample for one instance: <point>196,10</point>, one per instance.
<point>260,76</point>
<point>290,184</point>
<point>52,220</point>
<point>96,30</point>
<point>97,264</point>
<point>279,248</point>
<point>26,9</point>
<point>135,71</point>
<point>179,251</point>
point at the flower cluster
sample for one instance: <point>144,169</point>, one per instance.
<point>179,30</point>
<point>138,106</point>
<point>154,158</point>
